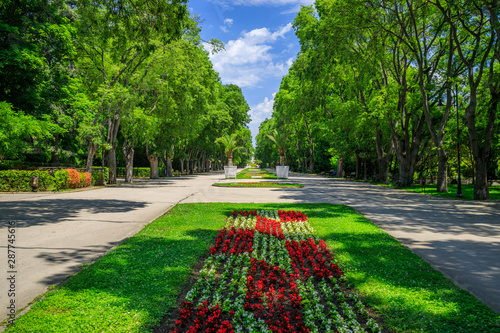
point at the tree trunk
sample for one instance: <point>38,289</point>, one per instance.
<point>383,167</point>
<point>90,156</point>
<point>153,165</point>
<point>383,159</point>
<point>169,172</point>
<point>442,175</point>
<point>406,171</point>
<point>113,126</point>
<point>182,165</point>
<point>357,164</point>
<point>55,154</point>
<point>311,163</point>
<point>154,172</point>
<point>340,167</point>
<point>481,191</point>
<point>128,154</point>
<point>111,159</point>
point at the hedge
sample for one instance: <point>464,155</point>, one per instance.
<point>97,176</point>
<point>19,180</point>
<point>138,172</point>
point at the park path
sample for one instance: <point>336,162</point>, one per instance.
<point>58,232</point>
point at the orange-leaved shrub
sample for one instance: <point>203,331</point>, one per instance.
<point>74,178</point>
<point>87,179</point>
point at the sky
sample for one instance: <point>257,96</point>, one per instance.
<point>260,46</point>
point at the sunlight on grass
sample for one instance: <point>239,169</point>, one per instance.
<point>431,189</point>
<point>133,287</point>
<point>255,173</point>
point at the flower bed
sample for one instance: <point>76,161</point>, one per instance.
<point>267,271</point>
<point>255,173</point>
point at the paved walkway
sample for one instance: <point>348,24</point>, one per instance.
<point>58,232</point>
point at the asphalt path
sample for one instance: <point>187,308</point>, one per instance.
<point>58,232</point>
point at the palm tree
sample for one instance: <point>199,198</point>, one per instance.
<point>280,141</point>
<point>231,144</point>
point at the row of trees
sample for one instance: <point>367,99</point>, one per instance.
<point>85,78</point>
<point>395,83</point>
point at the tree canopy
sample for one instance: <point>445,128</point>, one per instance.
<point>86,79</point>
<point>382,83</point>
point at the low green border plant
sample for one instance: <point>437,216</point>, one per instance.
<point>249,173</point>
<point>134,286</point>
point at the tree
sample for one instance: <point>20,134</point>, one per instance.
<point>231,144</point>
<point>474,29</point>
<point>280,141</point>
<point>19,132</point>
<point>118,38</point>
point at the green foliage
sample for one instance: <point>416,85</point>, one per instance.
<point>61,179</point>
<point>231,144</point>
<point>19,132</point>
<point>19,180</point>
<point>137,172</point>
<point>98,177</point>
<point>36,42</point>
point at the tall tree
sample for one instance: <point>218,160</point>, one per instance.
<point>118,37</point>
<point>474,29</point>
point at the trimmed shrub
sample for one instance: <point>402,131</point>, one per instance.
<point>19,180</point>
<point>98,178</point>
<point>74,178</point>
<point>138,172</point>
<point>61,179</point>
<point>87,179</point>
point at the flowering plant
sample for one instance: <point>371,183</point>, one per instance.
<point>268,272</point>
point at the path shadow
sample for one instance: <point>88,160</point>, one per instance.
<point>48,211</point>
<point>406,211</point>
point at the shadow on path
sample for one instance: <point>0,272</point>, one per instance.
<point>47,211</point>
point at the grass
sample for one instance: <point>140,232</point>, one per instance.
<point>135,285</point>
<point>253,172</point>
<point>259,184</point>
<point>467,191</point>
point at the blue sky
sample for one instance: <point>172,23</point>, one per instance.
<point>260,46</point>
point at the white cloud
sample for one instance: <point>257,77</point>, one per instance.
<point>227,23</point>
<point>250,59</point>
<point>258,113</point>
<point>263,110</point>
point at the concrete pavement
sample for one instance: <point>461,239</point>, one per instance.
<point>58,232</point>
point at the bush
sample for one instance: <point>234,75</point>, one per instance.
<point>138,172</point>
<point>98,178</point>
<point>19,180</point>
<point>74,178</point>
<point>87,179</point>
<point>61,179</point>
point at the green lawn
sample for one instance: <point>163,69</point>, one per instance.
<point>250,173</point>
<point>467,191</point>
<point>135,285</point>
